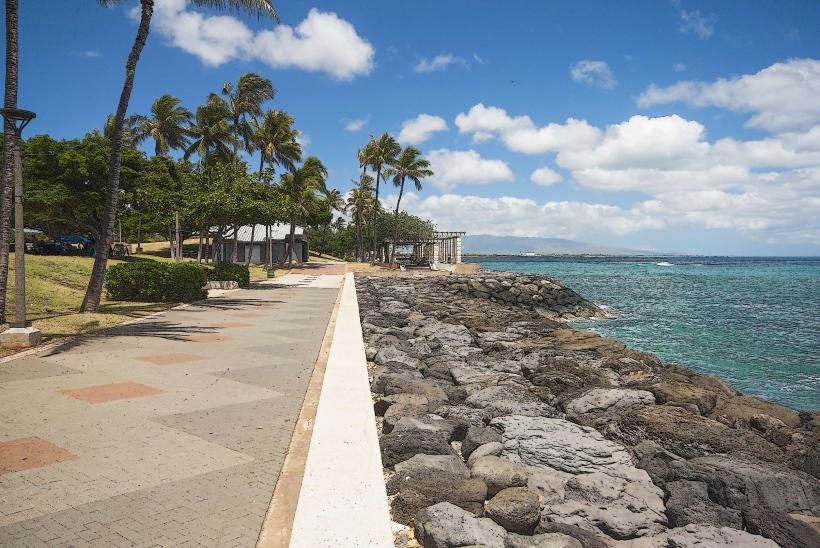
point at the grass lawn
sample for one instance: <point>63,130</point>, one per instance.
<point>54,290</point>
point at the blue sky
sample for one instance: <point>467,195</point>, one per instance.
<point>672,126</point>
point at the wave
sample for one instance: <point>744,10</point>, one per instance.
<point>664,263</point>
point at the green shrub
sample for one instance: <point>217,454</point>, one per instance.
<point>137,281</point>
<point>185,283</point>
<point>150,281</point>
<point>231,272</point>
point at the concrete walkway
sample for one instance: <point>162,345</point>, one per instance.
<point>166,432</point>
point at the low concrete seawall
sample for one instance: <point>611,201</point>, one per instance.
<point>343,501</point>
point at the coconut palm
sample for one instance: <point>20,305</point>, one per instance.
<point>211,131</point>
<point>275,139</point>
<point>358,204</point>
<point>245,100</point>
<point>302,186</point>
<point>382,152</point>
<point>168,125</point>
<point>409,165</point>
<point>93,294</point>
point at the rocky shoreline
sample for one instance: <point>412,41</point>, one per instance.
<point>501,427</point>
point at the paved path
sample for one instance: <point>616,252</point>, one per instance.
<point>167,432</point>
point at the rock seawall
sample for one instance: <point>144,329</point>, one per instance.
<point>501,427</point>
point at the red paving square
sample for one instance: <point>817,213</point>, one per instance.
<point>227,325</point>
<point>25,453</point>
<point>111,392</point>
<point>208,338</point>
<point>172,358</point>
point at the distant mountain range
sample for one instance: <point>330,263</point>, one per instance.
<point>484,244</point>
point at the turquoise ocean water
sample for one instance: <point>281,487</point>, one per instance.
<point>754,322</point>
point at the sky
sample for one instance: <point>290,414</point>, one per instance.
<point>668,126</point>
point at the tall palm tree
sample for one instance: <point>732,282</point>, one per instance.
<point>93,294</point>
<point>10,144</point>
<point>358,204</point>
<point>276,140</point>
<point>409,165</point>
<point>302,186</point>
<point>245,100</point>
<point>168,125</point>
<point>383,152</point>
<point>211,131</point>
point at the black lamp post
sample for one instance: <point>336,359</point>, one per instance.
<point>19,119</point>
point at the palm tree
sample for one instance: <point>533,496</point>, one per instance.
<point>168,125</point>
<point>382,152</point>
<point>243,100</point>
<point>302,186</point>
<point>358,204</point>
<point>409,165</point>
<point>10,145</point>
<point>211,131</point>
<point>276,141</point>
<point>93,294</point>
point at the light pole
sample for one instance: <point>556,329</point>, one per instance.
<point>20,334</point>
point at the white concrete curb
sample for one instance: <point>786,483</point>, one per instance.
<point>343,502</point>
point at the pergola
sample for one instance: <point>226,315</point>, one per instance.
<point>441,248</point>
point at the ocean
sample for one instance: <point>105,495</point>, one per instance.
<point>752,321</point>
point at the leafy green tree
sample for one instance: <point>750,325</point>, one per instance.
<point>301,188</point>
<point>91,301</point>
<point>409,165</point>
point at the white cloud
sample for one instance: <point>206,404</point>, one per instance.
<point>322,42</point>
<point>438,63</point>
<point>356,124</point>
<point>780,97</point>
<point>507,215</point>
<point>544,176</point>
<point>478,59</point>
<point>593,73</point>
<point>90,53</point>
<point>452,167</point>
<point>679,67</point>
<point>521,134</point>
<point>420,129</point>
<point>694,22</point>
<point>304,140</point>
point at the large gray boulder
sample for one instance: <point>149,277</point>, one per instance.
<point>544,540</point>
<point>445,525</point>
<point>499,473</point>
<point>405,441</point>
<point>558,444</point>
<point>515,509</point>
<point>603,399</point>
<point>447,463</point>
<point>493,448</point>
<point>418,487</point>
<point>700,536</point>
<point>510,399</point>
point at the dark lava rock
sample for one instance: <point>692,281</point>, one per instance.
<point>687,435</point>
<point>515,509</point>
<point>477,436</point>
<point>588,539</point>
<point>417,487</point>
<point>402,443</point>
<point>689,503</point>
<point>472,415</point>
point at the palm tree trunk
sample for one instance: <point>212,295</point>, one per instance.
<point>396,224</point>
<point>93,295</point>
<point>235,252</point>
<point>10,144</point>
<point>178,237</point>
<point>375,215</point>
<point>199,249</point>
<point>291,241</point>
<point>250,253</point>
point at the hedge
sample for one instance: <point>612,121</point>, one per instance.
<point>150,281</point>
<point>231,272</point>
